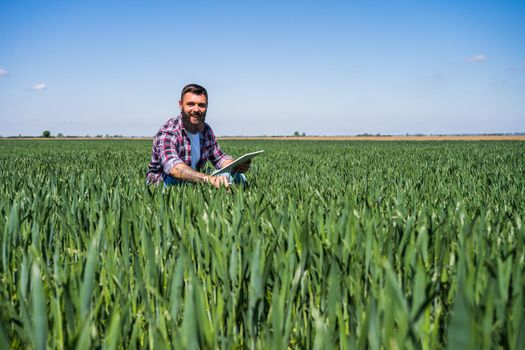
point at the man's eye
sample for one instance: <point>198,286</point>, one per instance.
<point>202,105</point>
<point>190,104</point>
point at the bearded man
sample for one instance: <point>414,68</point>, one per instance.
<point>185,143</point>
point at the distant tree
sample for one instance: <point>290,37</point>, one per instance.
<point>296,133</point>
<point>304,134</point>
<point>60,134</point>
<point>46,133</point>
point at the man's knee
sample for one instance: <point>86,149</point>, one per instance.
<point>238,178</point>
<point>171,181</point>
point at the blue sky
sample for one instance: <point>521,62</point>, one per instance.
<point>270,67</point>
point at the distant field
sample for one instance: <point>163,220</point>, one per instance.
<point>328,138</point>
<point>349,245</point>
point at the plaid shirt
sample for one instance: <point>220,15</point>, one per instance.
<point>171,146</point>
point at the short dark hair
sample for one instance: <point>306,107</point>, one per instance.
<point>194,89</point>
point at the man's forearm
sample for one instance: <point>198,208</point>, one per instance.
<point>226,162</point>
<point>186,173</point>
<point>240,168</point>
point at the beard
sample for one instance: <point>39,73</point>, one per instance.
<point>189,126</point>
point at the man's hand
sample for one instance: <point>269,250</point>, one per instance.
<point>219,181</point>
<point>243,167</point>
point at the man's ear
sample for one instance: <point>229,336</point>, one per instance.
<point>180,105</point>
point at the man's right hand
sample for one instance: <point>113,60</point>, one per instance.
<point>219,181</point>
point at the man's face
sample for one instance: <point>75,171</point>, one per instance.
<point>193,110</point>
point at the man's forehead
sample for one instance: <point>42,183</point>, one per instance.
<point>190,96</point>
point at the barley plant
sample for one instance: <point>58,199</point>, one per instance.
<point>345,245</point>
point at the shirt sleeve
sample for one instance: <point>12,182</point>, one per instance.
<point>216,155</point>
<point>167,146</point>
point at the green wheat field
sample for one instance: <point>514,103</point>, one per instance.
<point>334,245</point>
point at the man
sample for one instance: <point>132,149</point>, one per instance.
<point>183,144</point>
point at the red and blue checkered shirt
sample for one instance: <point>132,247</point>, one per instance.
<point>171,146</point>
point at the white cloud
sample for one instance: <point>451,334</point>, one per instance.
<point>39,86</point>
<point>3,72</point>
<point>477,58</point>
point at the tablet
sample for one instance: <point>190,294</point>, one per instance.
<point>236,162</point>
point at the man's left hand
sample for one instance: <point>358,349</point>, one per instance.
<point>242,168</point>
